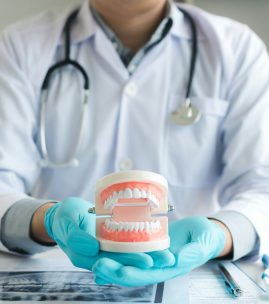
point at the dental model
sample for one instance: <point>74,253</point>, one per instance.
<point>125,203</point>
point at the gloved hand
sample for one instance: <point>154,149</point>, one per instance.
<point>73,229</point>
<point>194,241</point>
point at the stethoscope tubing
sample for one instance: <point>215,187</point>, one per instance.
<point>72,160</point>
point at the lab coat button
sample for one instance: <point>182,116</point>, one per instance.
<point>125,164</point>
<point>130,89</point>
<point>132,68</point>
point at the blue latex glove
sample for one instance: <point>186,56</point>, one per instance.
<point>73,229</point>
<point>194,241</point>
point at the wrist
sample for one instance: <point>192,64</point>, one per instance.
<point>228,247</point>
<point>38,230</point>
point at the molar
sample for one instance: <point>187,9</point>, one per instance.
<point>143,194</point>
<point>108,203</point>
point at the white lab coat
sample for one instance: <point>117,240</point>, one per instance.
<point>221,162</point>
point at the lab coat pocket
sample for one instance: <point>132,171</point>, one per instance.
<point>192,154</point>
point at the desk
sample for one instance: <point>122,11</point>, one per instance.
<point>204,284</point>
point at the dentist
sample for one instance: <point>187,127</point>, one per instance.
<point>137,55</point>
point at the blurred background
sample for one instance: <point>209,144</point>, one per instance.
<point>254,13</point>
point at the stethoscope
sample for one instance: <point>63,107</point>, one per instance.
<point>185,114</point>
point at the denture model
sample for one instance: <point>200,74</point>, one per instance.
<point>127,205</point>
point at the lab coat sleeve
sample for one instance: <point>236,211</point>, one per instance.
<point>244,186</point>
<point>19,156</point>
<point>239,227</point>
<point>15,234</point>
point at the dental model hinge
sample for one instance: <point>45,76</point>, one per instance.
<point>170,209</point>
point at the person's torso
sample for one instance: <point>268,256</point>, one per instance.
<point>128,121</point>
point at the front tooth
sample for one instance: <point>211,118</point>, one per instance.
<point>136,193</point>
<point>143,193</point>
<point>136,226</point>
<point>127,193</point>
<point>121,225</point>
<point>129,226</point>
<point>142,226</point>
<point>125,227</point>
<point>147,226</point>
<point>132,226</point>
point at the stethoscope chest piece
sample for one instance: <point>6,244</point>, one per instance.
<point>186,114</point>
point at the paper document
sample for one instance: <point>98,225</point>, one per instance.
<point>207,286</point>
<point>56,280</point>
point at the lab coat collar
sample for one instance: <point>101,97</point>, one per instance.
<point>181,27</point>
<point>86,26</point>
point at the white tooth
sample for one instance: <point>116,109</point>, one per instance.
<point>152,226</point>
<point>120,194</point>
<point>109,204</point>
<point>125,227</point>
<point>154,202</point>
<point>114,197</point>
<point>147,226</point>
<point>127,193</point>
<point>136,226</point>
<point>109,200</point>
<point>107,223</point>
<point>121,226</point>
<point>151,196</point>
<point>136,193</point>
<point>142,226</point>
<point>132,226</point>
<point>115,226</point>
<point>143,194</point>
